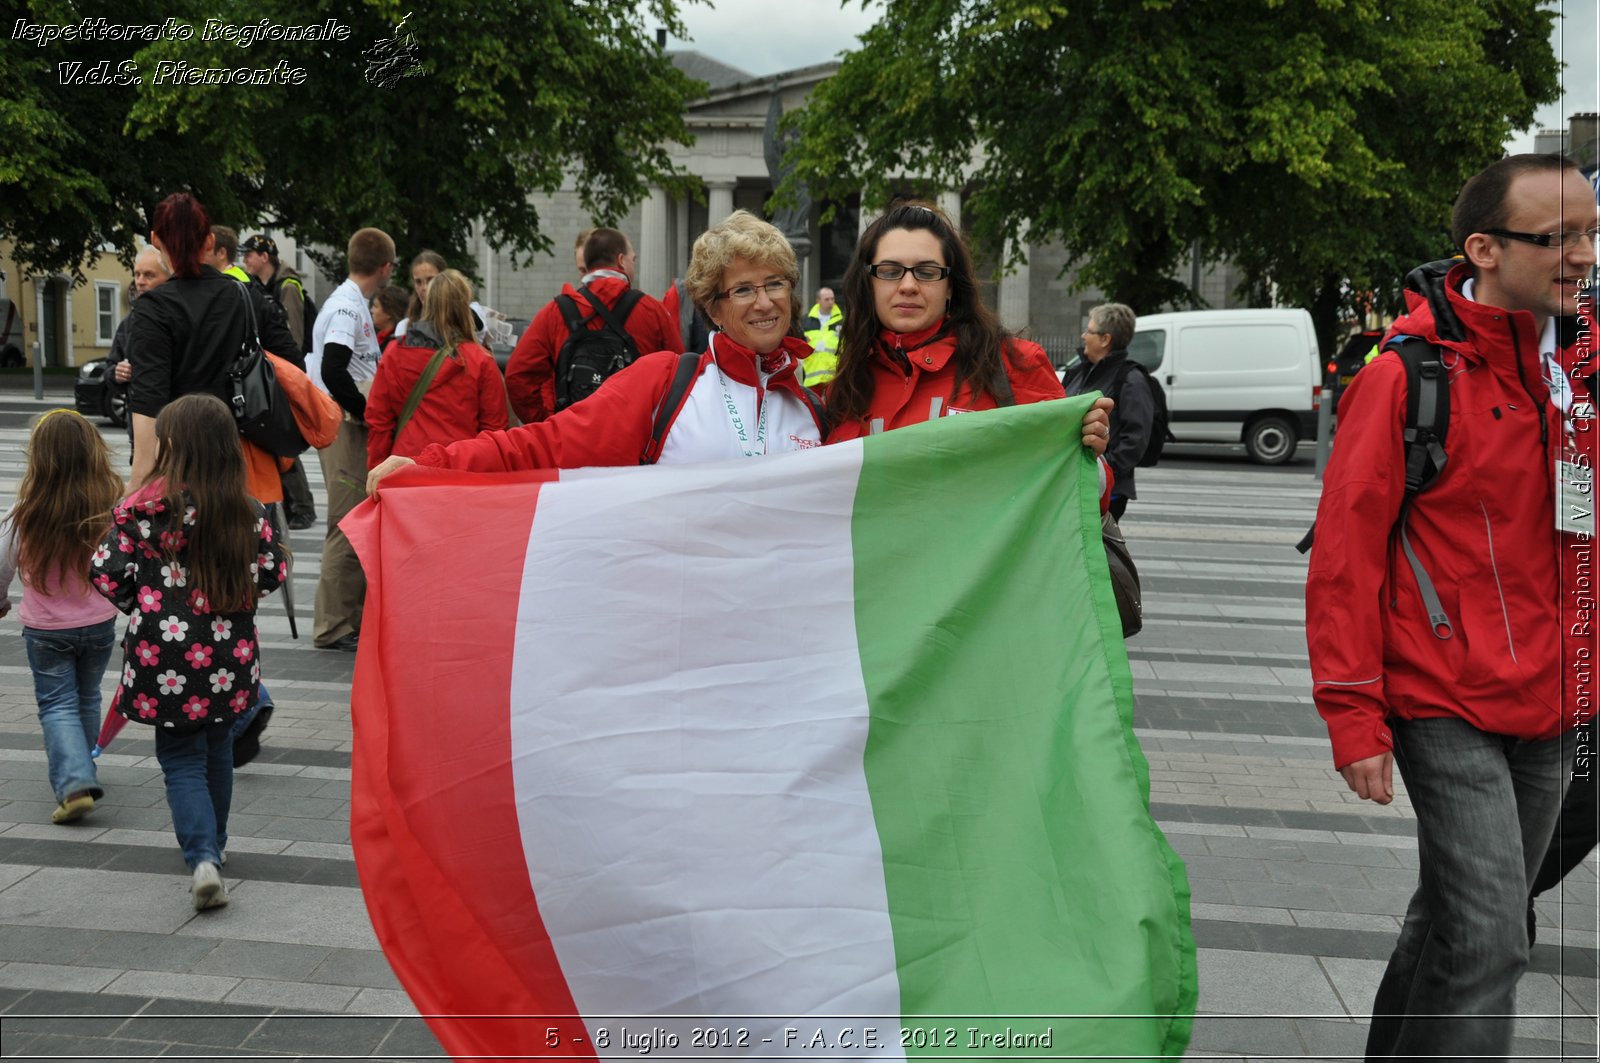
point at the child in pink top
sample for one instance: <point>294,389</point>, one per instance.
<point>63,510</point>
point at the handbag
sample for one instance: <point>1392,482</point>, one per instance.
<point>1124,576</point>
<point>316,415</point>
<point>259,405</point>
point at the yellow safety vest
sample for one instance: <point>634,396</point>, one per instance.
<point>823,363</point>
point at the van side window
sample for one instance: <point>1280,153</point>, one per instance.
<point>1148,348</point>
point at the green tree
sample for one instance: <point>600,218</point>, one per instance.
<point>72,177</point>
<point>419,121</point>
<point>1317,143</point>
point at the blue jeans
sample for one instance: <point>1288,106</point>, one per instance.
<point>263,701</point>
<point>198,769</point>
<point>1486,805</point>
<point>67,667</point>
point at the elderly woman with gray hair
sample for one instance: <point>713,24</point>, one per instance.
<point>1105,368</point>
<point>741,397</point>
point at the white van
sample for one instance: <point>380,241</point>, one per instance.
<point>1235,376</point>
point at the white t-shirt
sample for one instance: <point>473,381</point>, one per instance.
<point>345,318</point>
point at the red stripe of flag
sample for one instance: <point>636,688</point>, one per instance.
<point>433,803</point>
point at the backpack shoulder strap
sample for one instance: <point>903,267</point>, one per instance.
<point>671,403</point>
<point>1427,411</point>
<point>569,312</point>
<point>615,320</point>
<point>1427,424</point>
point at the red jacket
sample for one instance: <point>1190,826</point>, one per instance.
<point>1484,531</point>
<point>531,373</point>
<point>903,393</point>
<point>612,426</point>
<point>466,397</point>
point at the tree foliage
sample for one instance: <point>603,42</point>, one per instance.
<point>474,107</point>
<point>1316,143</point>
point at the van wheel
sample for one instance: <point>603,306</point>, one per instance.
<point>1270,440</point>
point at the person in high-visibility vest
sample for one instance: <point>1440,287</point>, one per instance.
<point>822,327</point>
<point>222,254</point>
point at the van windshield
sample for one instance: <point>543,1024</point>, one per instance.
<point>1148,348</point>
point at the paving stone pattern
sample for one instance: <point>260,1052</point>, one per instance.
<point>1297,885</point>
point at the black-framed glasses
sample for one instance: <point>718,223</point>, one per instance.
<point>746,293</point>
<point>1564,239</point>
<point>926,272</point>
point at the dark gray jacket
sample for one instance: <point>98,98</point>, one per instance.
<point>1130,421</point>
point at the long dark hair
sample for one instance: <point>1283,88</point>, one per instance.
<point>64,501</point>
<point>200,462</point>
<point>979,337</point>
<point>184,226</point>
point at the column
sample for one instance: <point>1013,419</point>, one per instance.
<point>680,263</point>
<point>950,203</point>
<point>719,200</point>
<point>653,269</point>
<point>1014,290</point>
<point>864,216</point>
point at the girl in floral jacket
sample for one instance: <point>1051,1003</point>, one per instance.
<point>188,556</point>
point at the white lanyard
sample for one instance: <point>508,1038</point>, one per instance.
<point>737,420</point>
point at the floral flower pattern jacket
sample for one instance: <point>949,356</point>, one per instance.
<point>183,665</point>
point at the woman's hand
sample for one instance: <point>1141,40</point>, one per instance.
<point>1097,426</point>
<point>384,468</point>
<point>122,372</point>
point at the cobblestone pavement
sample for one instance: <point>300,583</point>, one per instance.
<point>1297,885</point>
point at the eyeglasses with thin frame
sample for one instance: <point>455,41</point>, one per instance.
<point>1564,239</point>
<point>924,272</point>
<point>746,293</point>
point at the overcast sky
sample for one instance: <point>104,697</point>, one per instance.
<point>765,37</point>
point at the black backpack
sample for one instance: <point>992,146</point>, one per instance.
<point>310,304</point>
<point>1160,431</point>
<point>589,355</point>
<point>1427,425</point>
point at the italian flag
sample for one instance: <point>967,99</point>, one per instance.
<point>823,755</point>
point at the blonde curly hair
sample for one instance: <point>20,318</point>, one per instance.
<point>740,235</point>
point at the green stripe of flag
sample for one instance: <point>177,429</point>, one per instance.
<point>1009,791</point>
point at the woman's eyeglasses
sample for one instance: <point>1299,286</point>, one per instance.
<point>927,273</point>
<point>746,293</point>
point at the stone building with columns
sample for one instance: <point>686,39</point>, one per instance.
<point>728,158</point>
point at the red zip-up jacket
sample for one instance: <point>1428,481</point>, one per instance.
<point>1511,584</point>
<point>531,372</point>
<point>905,385</point>
<point>612,426</point>
<point>466,397</point>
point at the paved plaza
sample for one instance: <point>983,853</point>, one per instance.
<point>1297,885</point>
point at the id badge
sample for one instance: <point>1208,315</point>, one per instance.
<point>1574,498</point>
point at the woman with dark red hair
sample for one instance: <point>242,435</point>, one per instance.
<point>184,336</point>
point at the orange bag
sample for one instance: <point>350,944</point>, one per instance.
<point>315,414</point>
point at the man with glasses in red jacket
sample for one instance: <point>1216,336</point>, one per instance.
<point>1443,635</point>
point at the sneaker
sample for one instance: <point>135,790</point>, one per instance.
<point>75,807</point>
<point>207,888</point>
